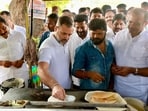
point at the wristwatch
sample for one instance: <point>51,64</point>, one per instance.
<point>136,71</point>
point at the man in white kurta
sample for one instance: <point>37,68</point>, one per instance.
<point>119,23</point>
<point>7,16</point>
<point>132,52</point>
<point>74,42</point>
<point>80,36</point>
<point>12,49</point>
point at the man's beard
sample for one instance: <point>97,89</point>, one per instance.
<point>82,34</point>
<point>63,41</point>
<point>97,41</point>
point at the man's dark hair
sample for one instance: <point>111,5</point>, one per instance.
<point>96,24</point>
<point>88,8</point>
<point>66,10</point>
<point>144,4</point>
<point>5,13</point>
<point>3,21</point>
<point>65,20</point>
<point>81,18</point>
<point>119,17</point>
<point>122,5</point>
<point>105,7</point>
<point>82,9</point>
<point>96,10</point>
<point>53,16</point>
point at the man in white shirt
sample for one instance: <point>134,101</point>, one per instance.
<point>80,36</point>
<point>118,23</point>
<point>108,16</point>
<point>131,52</point>
<point>12,46</point>
<point>54,60</point>
<point>6,15</point>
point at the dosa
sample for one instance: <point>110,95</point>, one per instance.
<point>103,97</point>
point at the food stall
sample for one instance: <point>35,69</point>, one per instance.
<point>30,98</point>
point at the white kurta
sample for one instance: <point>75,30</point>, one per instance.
<point>132,52</point>
<point>12,49</point>
<point>110,36</point>
<point>74,42</point>
<point>57,56</point>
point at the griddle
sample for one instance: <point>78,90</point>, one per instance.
<point>38,99</point>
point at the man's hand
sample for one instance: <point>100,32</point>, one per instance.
<point>7,64</point>
<point>96,77</point>
<point>18,63</point>
<point>58,92</point>
<point>121,70</point>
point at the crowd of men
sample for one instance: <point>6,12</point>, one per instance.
<point>96,49</point>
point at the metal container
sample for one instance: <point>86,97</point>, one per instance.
<point>12,83</point>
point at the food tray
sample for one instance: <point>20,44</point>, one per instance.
<point>119,100</point>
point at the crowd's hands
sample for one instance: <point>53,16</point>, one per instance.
<point>7,64</point>
<point>18,63</point>
<point>96,77</point>
<point>120,70</point>
<point>58,92</point>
